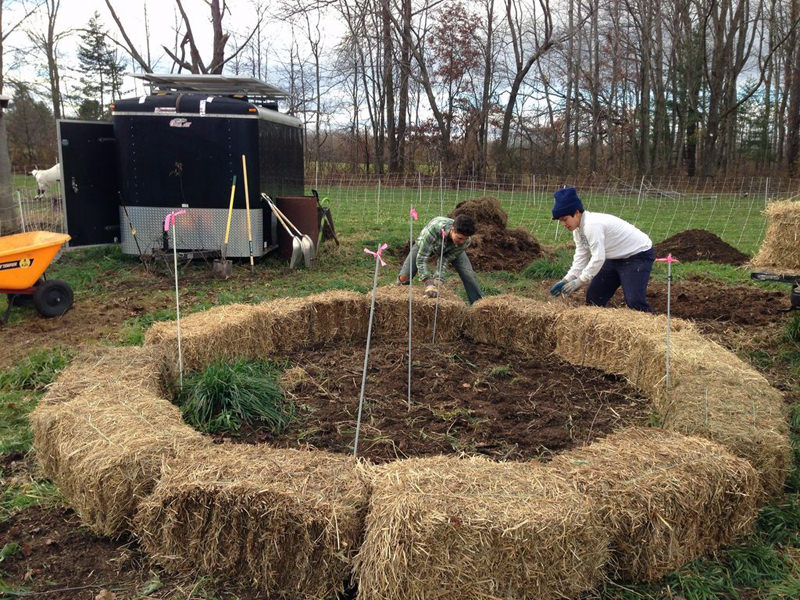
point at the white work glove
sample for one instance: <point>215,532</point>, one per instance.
<point>571,286</point>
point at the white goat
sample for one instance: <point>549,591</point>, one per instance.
<point>46,178</point>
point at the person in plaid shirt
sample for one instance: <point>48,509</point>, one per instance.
<point>429,246</point>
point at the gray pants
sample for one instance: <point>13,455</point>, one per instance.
<point>462,266</point>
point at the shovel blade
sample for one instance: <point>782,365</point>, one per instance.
<point>222,269</point>
<point>308,250</point>
<point>297,254</point>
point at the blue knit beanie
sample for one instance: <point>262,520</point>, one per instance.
<point>567,202</point>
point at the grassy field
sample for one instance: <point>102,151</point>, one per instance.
<point>765,565</point>
<point>738,220</point>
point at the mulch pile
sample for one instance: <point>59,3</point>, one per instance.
<point>699,244</point>
<point>494,247</point>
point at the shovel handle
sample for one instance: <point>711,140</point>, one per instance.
<point>247,207</point>
<point>230,214</point>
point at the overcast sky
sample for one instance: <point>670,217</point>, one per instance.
<point>75,15</point>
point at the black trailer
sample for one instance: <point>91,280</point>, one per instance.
<point>180,148</point>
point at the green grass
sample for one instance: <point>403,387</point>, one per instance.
<point>225,395</point>
<point>737,219</point>
<point>35,371</point>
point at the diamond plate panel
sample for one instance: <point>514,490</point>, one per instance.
<point>198,229</point>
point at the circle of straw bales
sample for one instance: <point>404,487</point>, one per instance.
<point>117,446</point>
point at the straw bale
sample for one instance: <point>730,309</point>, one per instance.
<point>619,341</point>
<point>780,250</point>
<point>665,498</point>
<point>95,369</point>
<point>105,452</point>
<point>472,528</point>
<point>716,395</point>
<point>229,331</point>
<point>391,314</point>
<point>519,324</point>
<point>316,319</point>
<point>287,522</point>
<point>713,393</point>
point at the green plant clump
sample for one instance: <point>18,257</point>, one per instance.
<point>36,371</point>
<point>226,395</point>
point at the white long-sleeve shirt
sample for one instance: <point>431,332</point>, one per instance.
<point>599,237</point>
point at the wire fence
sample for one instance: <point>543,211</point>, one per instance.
<point>733,209</point>
<point>33,212</point>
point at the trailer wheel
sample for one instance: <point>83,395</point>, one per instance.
<point>53,298</point>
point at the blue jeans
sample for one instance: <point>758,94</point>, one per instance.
<point>631,273</point>
<point>462,266</point>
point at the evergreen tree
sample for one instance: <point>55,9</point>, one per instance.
<point>100,66</point>
<point>31,130</point>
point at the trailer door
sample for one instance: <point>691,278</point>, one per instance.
<point>89,181</point>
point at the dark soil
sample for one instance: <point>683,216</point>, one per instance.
<point>466,397</point>
<point>61,558</point>
<point>493,247</point>
<point>699,244</point>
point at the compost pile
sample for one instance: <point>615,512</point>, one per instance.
<point>699,244</point>
<point>466,397</point>
<point>494,247</point>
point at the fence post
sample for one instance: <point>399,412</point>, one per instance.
<point>21,214</point>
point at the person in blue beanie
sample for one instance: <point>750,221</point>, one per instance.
<point>609,253</point>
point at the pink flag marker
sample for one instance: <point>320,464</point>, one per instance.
<point>170,218</point>
<point>377,254</point>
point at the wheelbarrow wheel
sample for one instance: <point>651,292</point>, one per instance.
<point>53,298</point>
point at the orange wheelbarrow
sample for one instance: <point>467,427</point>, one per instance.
<point>24,257</point>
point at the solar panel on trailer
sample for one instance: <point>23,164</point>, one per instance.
<point>212,84</point>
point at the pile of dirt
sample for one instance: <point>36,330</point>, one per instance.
<point>466,397</point>
<point>699,244</point>
<point>494,247</point>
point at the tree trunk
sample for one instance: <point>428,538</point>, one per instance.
<point>9,217</point>
<point>388,86</point>
<point>793,128</point>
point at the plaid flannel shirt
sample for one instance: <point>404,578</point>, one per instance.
<point>429,243</point>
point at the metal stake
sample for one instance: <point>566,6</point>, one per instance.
<point>669,260</point>
<point>378,261</point>
<point>438,288</point>
<point>411,219</point>
<point>171,217</point>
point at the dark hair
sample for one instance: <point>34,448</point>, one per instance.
<point>464,224</point>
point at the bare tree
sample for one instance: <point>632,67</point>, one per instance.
<point>194,62</point>
<point>47,43</point>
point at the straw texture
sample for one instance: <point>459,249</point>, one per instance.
<point>297,323</point>
<point>469,528</point>
<point>712,392</point>
<point>519,324</point>
<point>391,314</point>
<point>229,331</point>
<point>105,452</point>
<point>665,498</point>
<point>780,250</point>
<point>286,522</point>
<point>95,369</point>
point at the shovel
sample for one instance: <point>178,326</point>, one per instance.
<point>222,267</point>
<point>306,244</point>
<point>297,246</point>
